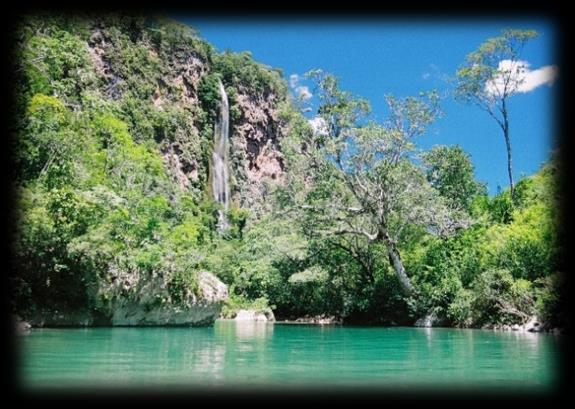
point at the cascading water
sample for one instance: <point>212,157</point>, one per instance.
<point>220,179</point>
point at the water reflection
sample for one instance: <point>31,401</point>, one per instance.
<point>245,330</point>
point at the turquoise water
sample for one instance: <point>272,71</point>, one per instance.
<point>262,354</point>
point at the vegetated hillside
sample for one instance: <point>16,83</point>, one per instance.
<point>113,141</point>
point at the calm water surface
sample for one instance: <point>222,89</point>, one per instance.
<point>261,354</point>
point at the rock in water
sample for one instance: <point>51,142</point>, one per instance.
<point>253,315</point>
<point>193,310</point>
<point>21,327</point>
<point>533,325</point>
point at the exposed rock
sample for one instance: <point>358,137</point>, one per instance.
<point>431,319</point>
<point>139,302</point>
<point>188,77</point>
<point>533,325</point>
<point>319,319</point>
<point>256,157</point>
<point>254,315</point>
<point>21,327</point>
<point>183,168</point>
<point>97,47</point>
<point>149,306</point>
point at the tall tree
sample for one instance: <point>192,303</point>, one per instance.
<point>349,178</point>
<point>490,75</point>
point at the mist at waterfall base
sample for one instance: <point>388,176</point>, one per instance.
<point>220,178</point>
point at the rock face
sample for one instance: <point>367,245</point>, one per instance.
<point>253,315</point>
<point>146,303</point>
<point>20,327</point>
<point>534,324</point>
<point>149,306</point>
<point>256,157</point>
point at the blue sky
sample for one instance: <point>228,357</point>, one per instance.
<point>403,57</point>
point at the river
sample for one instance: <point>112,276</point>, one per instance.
<point>248,354</point>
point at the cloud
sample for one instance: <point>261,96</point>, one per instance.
<point>293,80</point>
<point>318,125</point>
<point>522,79</point>
<point>425,75</point>
<point>303,93</point>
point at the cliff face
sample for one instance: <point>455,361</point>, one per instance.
<point>256,156</point>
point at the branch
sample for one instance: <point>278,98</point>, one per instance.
<point>357,257</point>
<point>339,232</point>
<point>356,210</point>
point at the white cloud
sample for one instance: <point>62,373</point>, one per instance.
<point>303,93</point>
<point>522,79</point>
<point>318,125</point>
<point>425,75</point>
<point>293,80</point>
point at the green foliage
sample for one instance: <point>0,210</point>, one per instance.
<point>450,171</point>
<point>235,303</point>
<point>498,298</point>
<point>53,61</point>
<point>182,285</point>
<point>240,70</point>
<point>551,296</point>
<point>238,218</point>
<point>482,66</point>
<point>501,208</point>
<point>209,93</point>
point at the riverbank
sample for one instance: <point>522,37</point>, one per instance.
<point>22,327</point>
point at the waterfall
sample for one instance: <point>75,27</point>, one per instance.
<point>220,179</point>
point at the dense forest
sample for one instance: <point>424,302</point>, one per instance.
<point>112,147</point>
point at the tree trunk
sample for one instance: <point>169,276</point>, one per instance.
<point>395,260</point>
<point>508,146</point>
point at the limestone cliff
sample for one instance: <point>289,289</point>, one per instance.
<point>174,91</point>
<point>256,156</point>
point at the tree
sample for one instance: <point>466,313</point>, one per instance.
<point>450,171</point>
<point>492,74</point>
<point>350,179</point>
